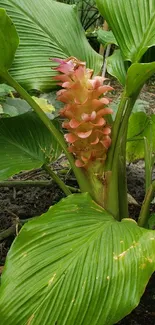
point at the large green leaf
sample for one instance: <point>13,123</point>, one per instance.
<point>15,106</point>
<point>140,126</point>
<point>25,143</point>
<point>137,75</point>
<point>106,37</point>
<point>116,67</point>
<point>133,24</point>
<point>47,29</point>
<point>5,90</point>
<point>76,265</point>
<point>8,41</point>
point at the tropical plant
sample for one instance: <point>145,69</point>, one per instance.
<point>85,261</point>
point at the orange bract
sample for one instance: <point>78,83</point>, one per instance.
<point>85,110</point>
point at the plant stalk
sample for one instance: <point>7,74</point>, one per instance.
<point>144,213</point>
<point>31,183</point>
<point>116,129</point>
<point>58,180</point>
<point>117,200</point>
<point>8,232</point>
<point>148,164</point>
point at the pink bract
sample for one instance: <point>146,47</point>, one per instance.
<point>85,111</point>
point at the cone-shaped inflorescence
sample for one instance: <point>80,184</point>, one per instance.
<point>85,111</point>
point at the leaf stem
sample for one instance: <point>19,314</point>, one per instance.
<point>144,213</point>
<point>117,201</point>
<point>115,129</point>
<point>34,183</point>
<point>83,183</point>
<point>148,164</point>
<point>58,180</point>
<point>8,232</point>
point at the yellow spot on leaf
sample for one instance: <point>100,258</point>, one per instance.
<point>116,257</point>
<point>52,279</point>
<point>108,277</point>
<point>30,320</point>
<point>149,260</point>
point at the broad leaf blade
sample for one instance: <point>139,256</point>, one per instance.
<point>47,29</point>
<point>133,24</point>
<point>8,41</point>
<point>137,75</point>
<point>15,106</point>
<point>116,67</point>
<point>5,90</point>
<point>106,37</point>
<point>76,265</point>
<point>140,126</point>
<point>25,143</point>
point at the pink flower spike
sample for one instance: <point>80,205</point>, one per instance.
<point>70,137</point>
<point>104,111</point>
<point>84,135</point>
<point>106,142</point>
<point>96,141</point>
<point>65,125</point>
<point>58,60</point>
<point>79,163</point>
<point>88,117</point>
<point>100,102</point>
<point>66,84</point>
<point>74,124</point>
<point>107,131</point>
<point>97,81</point>
<point>104,100</point>
<point>103,89</point>
<point>100,122</point>
<point>85,107</point>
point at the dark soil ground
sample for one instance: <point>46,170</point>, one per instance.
<point>19,204</point>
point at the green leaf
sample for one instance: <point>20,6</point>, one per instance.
<point>141,106</point>
<point>8,41</point>
<point>47,29</point>
<point>116,67</point>
<point>25,143</point>
<point>151,221</point>
<point>52,99</point>
<point>137,75</point>
<point>5,90</point>
<point>106,37</point>
<point>140,126</point>
<point>133,25</point>
<point>15,106</point>
<point>76,265</point>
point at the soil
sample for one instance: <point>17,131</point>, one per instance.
<point>19,204</point>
